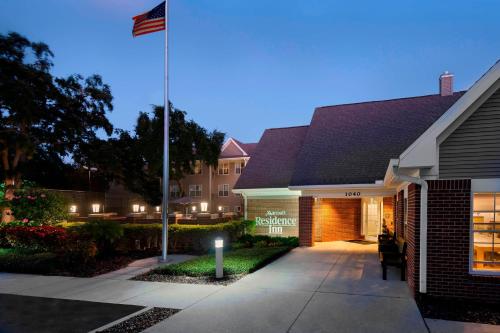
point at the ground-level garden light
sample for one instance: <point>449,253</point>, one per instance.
<point>219,261</point>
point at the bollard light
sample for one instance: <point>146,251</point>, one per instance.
<point>219,261</point>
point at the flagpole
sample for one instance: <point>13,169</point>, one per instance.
<point>166,112</point>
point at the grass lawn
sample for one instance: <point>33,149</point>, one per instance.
<point>6,251</point>
<point>240,261</point>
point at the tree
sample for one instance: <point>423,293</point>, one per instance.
<point>43,114</point>
<point>137,160</point>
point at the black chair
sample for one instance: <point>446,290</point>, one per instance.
<point>395,257</point>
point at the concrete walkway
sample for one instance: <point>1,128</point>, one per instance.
<point>110,288</point>
<point>333,287</point>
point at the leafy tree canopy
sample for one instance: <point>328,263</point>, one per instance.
<point>42,115</point>
<point>136,160</point>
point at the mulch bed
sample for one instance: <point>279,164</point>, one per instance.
<point>142,321</point>
<point>460,310</point>
<point>52,265</point>
<point>152,277</point>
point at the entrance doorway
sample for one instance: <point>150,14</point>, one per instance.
<point>372,217</point>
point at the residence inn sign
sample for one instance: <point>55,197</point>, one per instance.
<point>276,220</point>
<point>274,217</point>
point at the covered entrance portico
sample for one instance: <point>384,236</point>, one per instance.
<point>347,212</point>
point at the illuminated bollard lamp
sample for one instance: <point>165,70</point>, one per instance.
<point>219,261</point>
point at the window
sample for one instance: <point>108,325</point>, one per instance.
<point>223,168</point>
<point>175,192</point>
<point>238,167</point>
<point>197,168</point>
<point>237,209</point>
<point>195,190</point>
<point>223,190</point>
<point>486,232</point>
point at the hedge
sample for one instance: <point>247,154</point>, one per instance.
<point>182,238</point>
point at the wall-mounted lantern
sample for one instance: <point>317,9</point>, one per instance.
<point>193,209</point>
<point>157,209</point>
<point>73,209</point>
<point>142,209</point>
<point>204,206</point>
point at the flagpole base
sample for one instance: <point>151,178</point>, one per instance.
<point>162,260</point>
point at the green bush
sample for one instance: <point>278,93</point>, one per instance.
<point>182,237</point>
<point>38,205</point>
<point>104,233</point>
<point>265,241</point>
<point>20,262</point>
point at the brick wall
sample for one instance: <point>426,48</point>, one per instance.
<point>306,217</point>
<point>400,211</point>
<point>413,237</point>
<point>340,219</point>
<point>449,209</point>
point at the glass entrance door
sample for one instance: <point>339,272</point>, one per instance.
<point>372,217</point>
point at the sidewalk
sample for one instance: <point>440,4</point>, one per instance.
<point>110,288</point>
<point>332,287</point>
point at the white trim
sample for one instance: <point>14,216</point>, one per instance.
<point>267,192</point>
<point>224,146</point>
<point>338,186</point>
<point>481,186</point>
<point>485,185</point>
<point>422,152</point>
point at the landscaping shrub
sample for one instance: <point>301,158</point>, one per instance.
<point>19,262</point>
<point>78,248</point>
<point>36,238</point>
<point>265,241</point>
<point>38,205</point>
<point>104,233</point>
<point>182,237</point>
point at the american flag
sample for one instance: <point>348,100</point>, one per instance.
<point>151,21</point>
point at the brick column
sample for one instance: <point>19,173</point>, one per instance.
<point>306,221</point>
<point>400,209</point>
<point>413,237</point>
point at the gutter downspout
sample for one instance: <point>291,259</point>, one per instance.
<point>423,224</point>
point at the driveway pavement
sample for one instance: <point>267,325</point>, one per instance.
<point>332,287</point>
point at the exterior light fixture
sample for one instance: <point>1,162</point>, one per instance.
<point>193,208</point>
<point>157,209</point>
<point>219,208</point>
<point>142,209</point>
<point>72,209</point>
<point>219,260</point>
<point>135,208</point>
<point>204,206</point>
<point>96,208</point>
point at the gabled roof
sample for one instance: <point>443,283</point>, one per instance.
<point>353,143</point>
<point>272,164</point>
<point>423,151</point>
<point>233,148</point>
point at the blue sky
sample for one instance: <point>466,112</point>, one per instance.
<point>243,66</point>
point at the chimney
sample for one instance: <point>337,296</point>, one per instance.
<point>446,84</point>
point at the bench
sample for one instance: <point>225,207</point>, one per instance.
<point>393,255</point>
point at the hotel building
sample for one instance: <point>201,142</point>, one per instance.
<point>426,167</point>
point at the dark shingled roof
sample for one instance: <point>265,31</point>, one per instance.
<point>272,164</point>
<point>232,151</point>
<point>249,148</point>
<point>353,143</point>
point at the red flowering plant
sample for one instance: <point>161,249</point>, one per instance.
<point>38,207</point>
<point>36,238</point>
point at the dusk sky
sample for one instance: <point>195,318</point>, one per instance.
<point>244,66</point>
